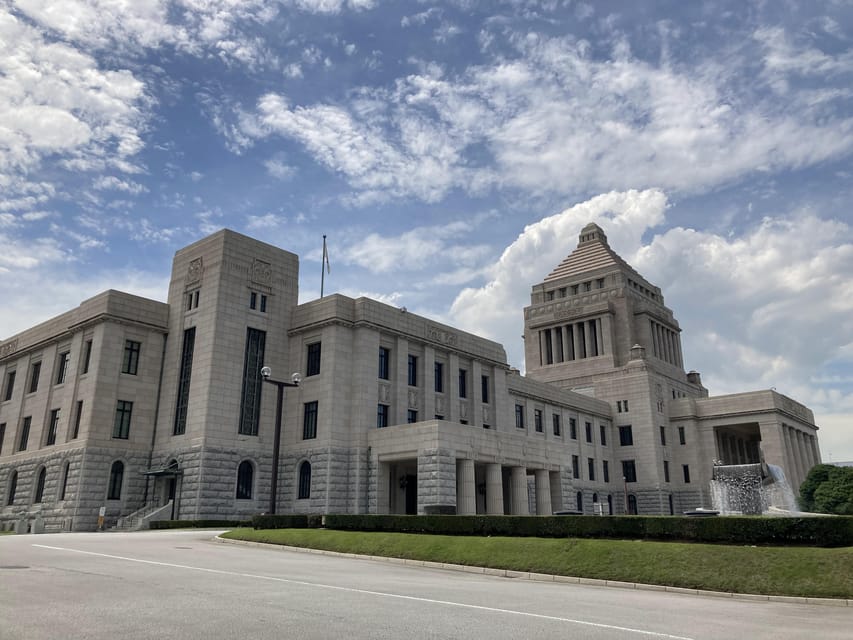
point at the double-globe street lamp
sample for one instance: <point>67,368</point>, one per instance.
<point>296,378</point>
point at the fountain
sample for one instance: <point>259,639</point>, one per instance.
<point>752,489</point>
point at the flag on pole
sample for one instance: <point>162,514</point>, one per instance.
<point>326,256</point>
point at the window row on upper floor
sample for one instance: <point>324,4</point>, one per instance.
<point>575,289</point>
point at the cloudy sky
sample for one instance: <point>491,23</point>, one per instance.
<point>451,151</point>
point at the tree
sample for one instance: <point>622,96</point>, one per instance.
<point>817,476</point>
<point>836,494</point>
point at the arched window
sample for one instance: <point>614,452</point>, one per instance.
<point>42,477</point>
<point>579,501</point>
<point>13,487</point>
<point>632,504</point>
<point>116,480</point>
<point>63,485</point>
<point>304,480</point>
<point>245,479</point>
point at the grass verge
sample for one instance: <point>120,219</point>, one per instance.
<point>788,571</point>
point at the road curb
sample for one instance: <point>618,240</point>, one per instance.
<point>547,577</point>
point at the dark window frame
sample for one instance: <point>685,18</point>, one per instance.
<point>576,467</point>
<point>182,397</point>
<point>590,464</point>
<point>519,416</point>
<point>484,389</point>
<point>53,427</point>
<point>10,385</point>
<point>605,470</point>
<point>63,486</point>
<point>573,428</point>
<point>87,357</point>
<point>116,480</point>
<point>245,480</point>
<point>382,415</point>
<point>685,469</point>
<point>13,488</point>
<point>25,433</point>
<point>438,374</point>
<point>626,436</point>
<point>538,424</point>
<point>250,395</point>
<point>629,470</point>
<point>662,431</point>
<point>555,424</point>
<point>130,361</point>
<point>76,433</point>
<point>588,432</point>
<point>412,369</point>
<point>310,413</point>
<point>304,490</point>
<point>41,480</point>
<point>666,471</point>
<point>35,374</point>
<point>682,436</point>
<point>412,416</point>
<point>603,434</point>
<point>313,355</point>
<point>463,383</point>
<point>62,367</point>
<point>123,416</point>
<point>384,363</point>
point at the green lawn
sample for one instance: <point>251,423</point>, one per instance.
<point>791,571</point>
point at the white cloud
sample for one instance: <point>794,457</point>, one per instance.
<point>553,119</point>
<point>104,183</point>
<point>278,168</point>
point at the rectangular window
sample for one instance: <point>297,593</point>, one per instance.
<point>53,427</point>
<point>413,416</point>
<point>413,371</point>
<point>382,415</point>
<point>576,467</point>
<point>263,303</point>
<point>484,384</point>
<point>588,430</point>
<point>62,367</point>
<point>35,372</point>
<point>626,436</point>
<point>121,428</point>
<point>603,432</point>
<point>686,469</point>
<point>253,300</point>
<point>183,396</point>
<point>2,435</point>
<point>77,418</point>
<point>519,416</point>
<point>10,386</point>
<point>250,395</point>
<point>25,433</point>
<point>384,363</point>
<point>189,301</point>
<point>439,377</point>
<point>682,439</point>
<point>555,420</point>
<point>87,356</point>
<point>590,464</point>
<point>605,470</point>
<point>312,366</point>
<point>131,357</point>
<point>666,471</point>
<point>573,429</point>
<point>463,383</point>
<point>309,421</point>
<point>662,436</point>
<point>629,471</point>
<point>537,420</point>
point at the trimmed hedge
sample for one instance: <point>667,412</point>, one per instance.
<point>820,532</point>
<point>287,521</point>
<point>198,524</point>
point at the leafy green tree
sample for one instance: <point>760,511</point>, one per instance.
<point>835,495</point>
<point>817,476</point>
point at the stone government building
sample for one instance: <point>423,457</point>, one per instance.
<point>160,410</point>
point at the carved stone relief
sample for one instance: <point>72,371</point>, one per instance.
<point>195,270</point>
<point>261,272</point>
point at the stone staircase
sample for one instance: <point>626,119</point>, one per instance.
<point>141,518</point>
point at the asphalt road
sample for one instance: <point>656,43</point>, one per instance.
<point>183,584</point>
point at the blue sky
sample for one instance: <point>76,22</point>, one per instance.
<point>451,152</point>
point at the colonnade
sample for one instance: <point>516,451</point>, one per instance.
<point>547,483</point>
<point>665,344</point>
<point>732,449</point>
<point>801,452</point>
<point>573,341</point>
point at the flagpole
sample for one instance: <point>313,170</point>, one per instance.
<point>323,267</point>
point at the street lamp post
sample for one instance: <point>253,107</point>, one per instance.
<point>266,372</point>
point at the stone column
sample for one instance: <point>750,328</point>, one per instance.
<point>543,493</point>
<point>576,330</point>
<point>452,390</point>
<point>519,492</point>
<point>802,458</point>
<point>494,490</point>
<point>556,491</point>
<point>466,490</point>
<point>790,462</point>
<point>815,450</point>
<point>571,351</point>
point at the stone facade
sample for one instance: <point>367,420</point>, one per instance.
<point>138,404</point>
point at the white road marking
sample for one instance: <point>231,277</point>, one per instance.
<point>372,593</point>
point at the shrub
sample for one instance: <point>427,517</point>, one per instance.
<point>284,521</point>
<point>197,524</point>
